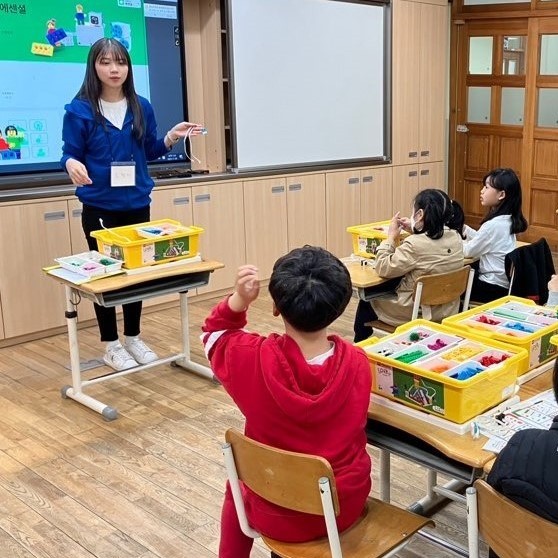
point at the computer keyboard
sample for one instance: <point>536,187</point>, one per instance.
<point>170,173</point>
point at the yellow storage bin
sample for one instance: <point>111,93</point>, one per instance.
<point>514,321</point>
<point>149,243</point>
<point>367,238</point>
<point>430,367</point>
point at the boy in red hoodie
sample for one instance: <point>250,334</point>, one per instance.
<point>304,391</point>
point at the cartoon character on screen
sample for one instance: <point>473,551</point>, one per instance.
<point>79,15</point>
<point>419,393</point>
<point>54,36</point>
<point>14,139</point>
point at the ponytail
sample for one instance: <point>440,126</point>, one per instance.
<point>456,218</point>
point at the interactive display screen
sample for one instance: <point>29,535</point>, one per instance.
<point>42,64</point>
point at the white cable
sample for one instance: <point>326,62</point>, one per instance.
<point>190,157</point>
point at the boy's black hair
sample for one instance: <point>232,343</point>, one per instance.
<point>507,181</point>
<point>310,288</point>
<point>92,87</point>
<point>439,212</point>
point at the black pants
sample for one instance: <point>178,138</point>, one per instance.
<point>486,292</point>
<point>106,317</point>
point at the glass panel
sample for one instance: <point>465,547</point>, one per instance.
<point>549,55</point>
<point>480,55</point>
<point>478,109</point>
<point>513,101</point>
<point>514,56</point>
<point>548,108</point>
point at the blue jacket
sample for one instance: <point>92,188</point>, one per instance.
<point>96,146</point>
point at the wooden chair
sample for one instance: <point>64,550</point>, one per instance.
<point>306,483</point>
<point>433,290</point>
<point>510,530</point>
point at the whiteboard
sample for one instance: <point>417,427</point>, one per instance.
<point>308,82</point>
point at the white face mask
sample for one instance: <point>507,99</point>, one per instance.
<point>413,222</point>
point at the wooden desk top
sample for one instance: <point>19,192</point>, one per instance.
<point>116,282</point>
<point>462,448</point>
<point>364,276</point>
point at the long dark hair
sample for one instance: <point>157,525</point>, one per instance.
<point>439,212</point>
<point>92,87</point>
<point>505,180</point>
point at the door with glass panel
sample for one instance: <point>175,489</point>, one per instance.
<point>490,105</point>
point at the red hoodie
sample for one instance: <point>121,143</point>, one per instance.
<point>291,404</point>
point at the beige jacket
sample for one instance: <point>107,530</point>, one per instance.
<point>416,255</point>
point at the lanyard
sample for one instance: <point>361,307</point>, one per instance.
<point>110,141</point>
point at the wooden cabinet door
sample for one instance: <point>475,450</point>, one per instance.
<point>265,207</point>
<point>405,188</point>
<point>31,236</point>
<point>432,175</point>
<point>1,321</point>
<point>175,203</point>
<point>219,210</point>
<point>342,210</point>
<point>432,82</point>
<point>306,210</point>
<point>376,195</point>
<point>405,81</point>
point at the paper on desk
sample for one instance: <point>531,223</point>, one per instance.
<point>77,278</point>
<point>495,445</point>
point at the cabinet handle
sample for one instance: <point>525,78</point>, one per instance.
<point>55,215</point>
<point>367,179</point>
<point>424,172</point>
<point>354,180</point>
<point>181,201</point>
<point>425,153</point>
<point>76,213</point>
<point>277,189</point>
<point>413,173</point>
<point>295,187</point>
<point>413,154</point>
<point>202,198</point>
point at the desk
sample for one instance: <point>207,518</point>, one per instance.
<point>364,276</point>
<point>123,289</point>
<point>437,449</point>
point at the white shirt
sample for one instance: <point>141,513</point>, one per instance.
<point>114,112</point>
<point>320,359</point>
<point>491,243</point>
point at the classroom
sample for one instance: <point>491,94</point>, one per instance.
<point>304,120</point>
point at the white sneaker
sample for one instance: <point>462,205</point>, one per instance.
<point>118,358</point>
<point>139,350</point>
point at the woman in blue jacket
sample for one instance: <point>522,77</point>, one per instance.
<point>109,134</point>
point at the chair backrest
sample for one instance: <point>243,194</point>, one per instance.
<point>287,479</point>
<point>442,288</point>
<point>510,530</point>
<point>529,269</point>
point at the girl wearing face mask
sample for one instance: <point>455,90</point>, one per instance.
<point>501,195</point>
<point>435,246</point>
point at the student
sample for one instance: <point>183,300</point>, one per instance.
<point>501,194</point>
<point>303,391</point>
<point>107,126</point>
<point>525,471</point>
<point>435,246</point>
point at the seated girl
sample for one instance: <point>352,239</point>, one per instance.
<point>435,246</point>
<point>501,194</point>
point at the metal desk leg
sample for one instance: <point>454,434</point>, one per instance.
<point>185,361</point>
<point>74,391</point>
<point>472,522</point>
<point>385,475</point>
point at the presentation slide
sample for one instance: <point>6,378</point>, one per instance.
<point>44,50</point>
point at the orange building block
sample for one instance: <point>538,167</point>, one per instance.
<point>42,49</point>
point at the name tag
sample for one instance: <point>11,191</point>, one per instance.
<point>122,173</point>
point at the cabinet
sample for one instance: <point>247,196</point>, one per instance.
<point>31,236</point>
<point>1,322</point>
<point>419,81</point>
<point>265,207</point>
<point>409,179</point>
<point>219,210</point>
<point>306,210</point>
<point>353,198</point>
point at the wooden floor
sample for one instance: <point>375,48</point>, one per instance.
<point>149,484</point>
